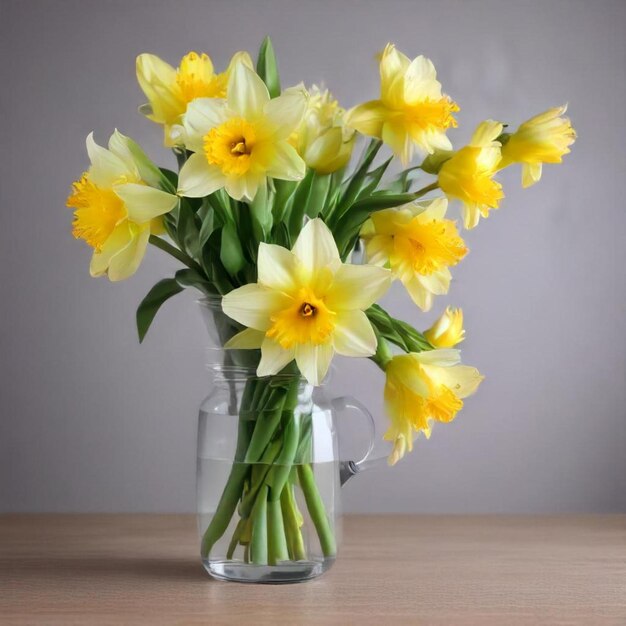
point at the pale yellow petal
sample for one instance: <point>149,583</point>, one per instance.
<point>144,203</point>
<point>116,241</point>
<point>357,287</point>
<point>313,361</point>
<point>462,380</point>
<point>248,339</point>
<point>419,294</point>
<point>443,357</point>
<point>285,112</point>
<point>316,247</point>
<point>157,80</point>
<point>286,163</point>
<point>354,335</point>
<point>197,178</point>
<point>486,133</point>
<point>106,167</point>
<point>273,357</point>
<point>247,94</point>
<point>277,267</point>
<point>531,174</point>
<point>201,116</point>
<point>126,262</point>
<point>368,118</point>
<point>253,305</point>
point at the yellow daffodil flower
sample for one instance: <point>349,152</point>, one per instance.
<point>306,305</point>
<point>170,90</point>
<point>411,112</point>
<point>323,140</point>
<point>115,208</point>
<point>468,174</point>
<point>544,138</point>
<point>418,244</point>
<point>448,330</point>
<point>240,142</point>
<point>422,388</point>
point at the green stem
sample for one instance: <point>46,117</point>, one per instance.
<point>292,525</point>
<point>176,253</point>
<point>277,543</point>
<point>258,542</point>
<point>427,189</point>
<point>234,486</point>
<point>317,510</point>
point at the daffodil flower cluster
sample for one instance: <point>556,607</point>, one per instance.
<point>268,205</point>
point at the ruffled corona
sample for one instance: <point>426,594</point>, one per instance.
<point>169,91</point>
<point>322,139</point>
<point>448,330</point>
<point>240,142</point>
<point>412,112</point>
<point>545,138</point>
<point>115,208</point>
<point>418,244</point>
<point>468,174</point>
<point>306,305</point>
<point>422,388</point>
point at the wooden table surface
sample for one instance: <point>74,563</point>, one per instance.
<point>144,569</point>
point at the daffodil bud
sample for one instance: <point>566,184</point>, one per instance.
<point>448,330</point>
<point>544,138</point>
<point>323,140</point>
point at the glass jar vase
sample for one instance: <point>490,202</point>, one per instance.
<point>269,473</point>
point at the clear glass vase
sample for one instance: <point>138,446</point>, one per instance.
<point>269,473</point>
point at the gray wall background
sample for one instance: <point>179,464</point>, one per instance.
<point>91,421</point>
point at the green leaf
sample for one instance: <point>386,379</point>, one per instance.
<point>186,230</point>
<point>192,278</point>
<point>171,178</point>
<point>283,192</point>
<point>261,213</point>
<point>149,306</point>
<point>267,68</point>
<point>212,264</point>
<point>373,178</point>
<point>354,184</point>
<point>299,203</point>
<point>396,331</point>
<point>231,253</point>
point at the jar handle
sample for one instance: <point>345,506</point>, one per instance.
<point>347,469</point>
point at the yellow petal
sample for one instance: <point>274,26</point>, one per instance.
<point>157,80</point>
<point>531,173</point>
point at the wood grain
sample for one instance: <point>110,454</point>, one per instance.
<point>144,569</point>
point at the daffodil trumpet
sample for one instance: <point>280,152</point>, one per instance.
<point>294,242</point>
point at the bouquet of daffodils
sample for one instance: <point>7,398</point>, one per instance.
<point>265,212</point>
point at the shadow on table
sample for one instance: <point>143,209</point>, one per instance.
<point>111,567</point>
